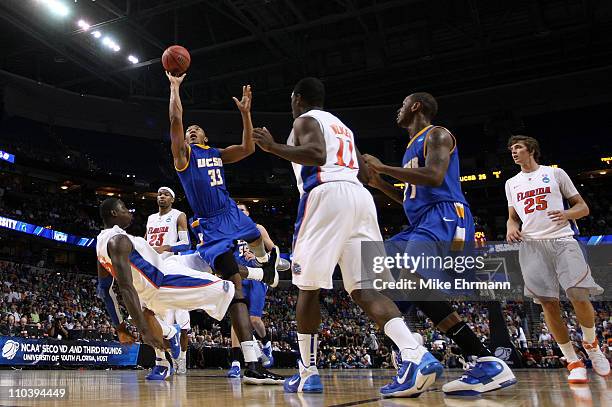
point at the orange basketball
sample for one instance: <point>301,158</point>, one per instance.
<point>176,60</point>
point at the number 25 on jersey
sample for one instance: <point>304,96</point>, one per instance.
<point>539,202</point>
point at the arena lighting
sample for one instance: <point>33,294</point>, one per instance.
<point>606,160</point>
<point>133,59</point>
<point>56,7</point>
<point>83,24</point>
<point>96,34</point>
<point>255,200</point>
<point>64,187</point>
<point>602,172</point>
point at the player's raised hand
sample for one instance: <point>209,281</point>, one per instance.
<point>263,138</point>
<point>244,105</point>
<point>374,163</point>
<point>514,235</point>
<point>175,80</point>
<point>559,217</point>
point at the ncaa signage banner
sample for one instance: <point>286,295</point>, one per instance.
<point>40,231</point>
<point>47,352</point>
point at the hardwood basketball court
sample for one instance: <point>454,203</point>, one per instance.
<point>97,388</point>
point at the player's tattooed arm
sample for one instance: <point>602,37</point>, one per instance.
<point>237,152</point>
<point>177,135</point>
<point>309,148</point>
<point>119,248</point>
<point>440,143</point>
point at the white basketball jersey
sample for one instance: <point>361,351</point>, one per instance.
<point>162,229</point>
<point>341,162</point>
<point>536,193</point>
<point>147,266</point>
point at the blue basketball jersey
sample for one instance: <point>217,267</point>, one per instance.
<point>203,180</point>
<point>419,198</point>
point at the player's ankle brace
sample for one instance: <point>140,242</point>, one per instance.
<point>226,265</point>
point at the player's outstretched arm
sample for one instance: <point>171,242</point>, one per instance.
<point>119,248</point>
<point>237,152</point>
<point>177,134</point>
<point>440,143</point>
<point>309,146</point>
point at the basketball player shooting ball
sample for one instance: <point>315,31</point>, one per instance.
<point>167,233</point>
<point>335,214</point>
<point>221,224</point>
<point>549,255</point>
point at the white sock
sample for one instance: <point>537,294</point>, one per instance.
<point>258,352</point>
<point>236,363</point>
<point>167,330</point>
<point>255,273</point>
<point>160,358</point>
<point>248,351</point>
<point>400,334</point>
<point>568,351</point>
<point>308,348</point>
<point>183,355</point>
<point>588,334</point>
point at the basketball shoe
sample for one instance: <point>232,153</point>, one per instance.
<point>160,372</point>
<point>601,366</point>
<point>255,373</point>
<point>578,373</point>
<point>488,373</point>
<point>306,381</point>
<point>415,375</point>
<point>234,371</point>
<point>267,357</point>
<point>270,273</point>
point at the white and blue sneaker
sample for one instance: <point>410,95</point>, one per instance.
<point>234,372</point>
<point>175,343</point>
<point>414,378</point>
<point>306,381</point>
<point>159,372</point>
<point>487,374</point>
<point>268,361</point>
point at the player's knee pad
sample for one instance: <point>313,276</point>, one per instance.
<point>578,294</point>
<point>226,266</point>
<point>437,311</point>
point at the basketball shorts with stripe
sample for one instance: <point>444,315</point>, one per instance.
<point>183,288</point>
<point>548,264</point>
<point>333,219</point>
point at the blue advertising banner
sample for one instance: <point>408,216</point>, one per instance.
<point>46,233</point>
<point>4,156</point>
<point>48,352</point>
